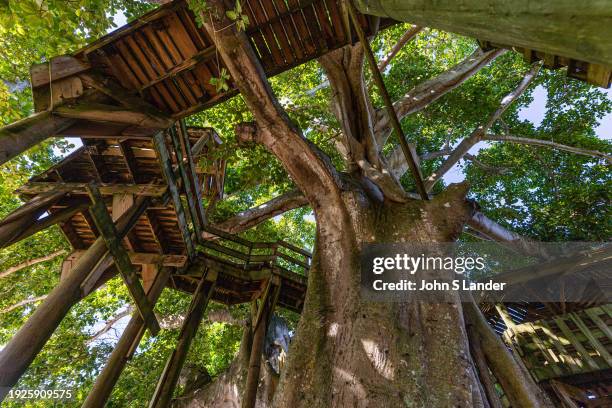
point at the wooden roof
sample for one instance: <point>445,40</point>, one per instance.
<point>168,60</point>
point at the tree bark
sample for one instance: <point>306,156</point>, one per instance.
<point>576,30</point>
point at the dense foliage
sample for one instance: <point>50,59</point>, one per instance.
<point>543,193</point>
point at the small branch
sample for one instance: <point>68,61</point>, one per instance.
<point>22,303</point>
<point>110,323</point>
<point>256,215</point>
<point>429,91</point>
<point>31,262</point>
<point>484,166</point>
<point>547,143</point>
<point>214,316</point>
<point>408,35</point>
<point>477,135</point>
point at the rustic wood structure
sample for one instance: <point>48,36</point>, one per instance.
<point>130,201</point>
<point>565,345</point>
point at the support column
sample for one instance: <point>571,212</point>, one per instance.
<point>102,388</point>
<point>260,326</point>
<point>165,387</point>
<point>21,350</point>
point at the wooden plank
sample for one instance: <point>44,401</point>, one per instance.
<point>591,338</point>
<point>583,354</point>
<point>547,353</point>
<point>39,187</point>
<point>593,315</point>
<point>563,353</point>
<point>140,258</point>
<point>108,232</point>
<point>192,173</point>
<point>189,193</point>
<point>168,172</point>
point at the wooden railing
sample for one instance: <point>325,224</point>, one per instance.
<point>255,255</point>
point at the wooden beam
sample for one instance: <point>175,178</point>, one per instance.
<point>108,232</point>
<point>108,86</point>
<point>104,384</point>
<point>109,113</point>
<point>130,159</point>
<point>39,187</point>
<point>580,30</point>
<point>142,258</point>
<point>260,326</point>
<point>200,56</point>
<point>195,183</point>
<point>23,347</point>
<point>168,172</point>
<point>94,276</point>
<point>189,192</point>
<point>18,137</point>
<point>59,67</point>
<point>167,382</point>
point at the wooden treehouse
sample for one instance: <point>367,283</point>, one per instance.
<point>130,201</point>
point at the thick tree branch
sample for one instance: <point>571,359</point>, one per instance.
<point>31,262</point>
<point>547,143</point>
<point>353,109</point>
<point>477,135</point>
<point>429,91</point>
<point>489,228</point>
<point>256,215</point>
<point>309,168</point>
<point>22,303</point>
<point>408,35</point>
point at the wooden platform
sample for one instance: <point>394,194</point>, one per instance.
<point>169,61</point>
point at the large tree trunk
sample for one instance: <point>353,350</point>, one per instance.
<point>351,352</point>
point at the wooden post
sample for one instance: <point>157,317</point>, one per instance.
<point>102,388</point>
<point>122,260</point>
<point>165,387</point>
<point>21,350</point>
<point>260,325</point>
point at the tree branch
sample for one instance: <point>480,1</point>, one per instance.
<point>489,228</point>
<point>256,215</point>
<point>408,35</point>
<point>547,143</point>
<point>110,323</point>
<point>429,91</point>
<point>477,135</point>
<point>310,169</point>
<point>22,303</point>
<point>31,262</point>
